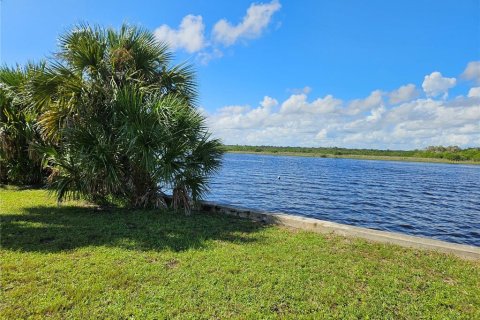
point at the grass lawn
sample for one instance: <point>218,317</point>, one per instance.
<point>75,262</point>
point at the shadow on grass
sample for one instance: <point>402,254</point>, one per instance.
<point>53,229</point>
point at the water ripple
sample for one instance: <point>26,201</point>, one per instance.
<point>427,199</point>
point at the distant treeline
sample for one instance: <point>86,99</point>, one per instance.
<point>452,153</point>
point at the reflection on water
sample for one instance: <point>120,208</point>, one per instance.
<point>441,201</point>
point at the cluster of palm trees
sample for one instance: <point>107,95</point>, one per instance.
<point>109,119</point>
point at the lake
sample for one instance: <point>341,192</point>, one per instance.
<point>440,201</point>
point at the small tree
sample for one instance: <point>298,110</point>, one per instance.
<point>119,123</point>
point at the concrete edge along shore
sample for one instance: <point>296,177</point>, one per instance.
<point>321,226</point>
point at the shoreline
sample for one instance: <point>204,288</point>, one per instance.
<point>358,157</point>
<point>464,251</point>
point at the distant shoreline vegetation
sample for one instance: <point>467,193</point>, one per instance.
<point>450,154</point>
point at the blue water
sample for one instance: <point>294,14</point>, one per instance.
<point>440,201</point>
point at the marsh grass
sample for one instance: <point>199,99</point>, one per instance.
<point>74,261</point>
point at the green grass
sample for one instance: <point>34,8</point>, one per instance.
<point>77,262</point>
<point>465,156</point>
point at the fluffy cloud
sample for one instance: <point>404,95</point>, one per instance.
<point>435,84</point>
<point>404,93</point>
<point>405,122</point>
<point>253,24</point>
<point>322,134</point>
<point>375,99</point>
<point>298,103</point>
<point>472,71</point>
<point>268,102</point>
<point>474,92</point>
<point>188,36</point>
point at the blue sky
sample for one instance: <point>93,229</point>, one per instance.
<point>381,74</point>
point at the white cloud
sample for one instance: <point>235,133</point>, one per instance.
<point>403,94</point>
<point>472,71</point>
<point>376,114</point>
<point>306,90</point>
<point>359,105</point>
<point>298,103</point>
<point>474,92</point>
<point>189,35</point>
<point>268,102</point>
<point>329,121</point>
<point>435,84</point>
<point>253,24</point>
<point>322,134</point>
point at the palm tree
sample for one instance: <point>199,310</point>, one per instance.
<point>119,123</point>
<point>19,164</point>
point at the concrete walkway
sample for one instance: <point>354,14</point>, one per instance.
<point>322,226</point>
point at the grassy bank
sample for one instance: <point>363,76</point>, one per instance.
<point>360,157</point>
<point>77,262</point>
<point>466,156</point>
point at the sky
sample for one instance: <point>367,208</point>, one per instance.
<point>359,74</point>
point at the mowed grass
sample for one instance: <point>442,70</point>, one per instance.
<point>77,262</point>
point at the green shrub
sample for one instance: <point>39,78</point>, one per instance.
<point>19,163</point>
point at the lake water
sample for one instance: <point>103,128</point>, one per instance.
<point>440,201</point>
